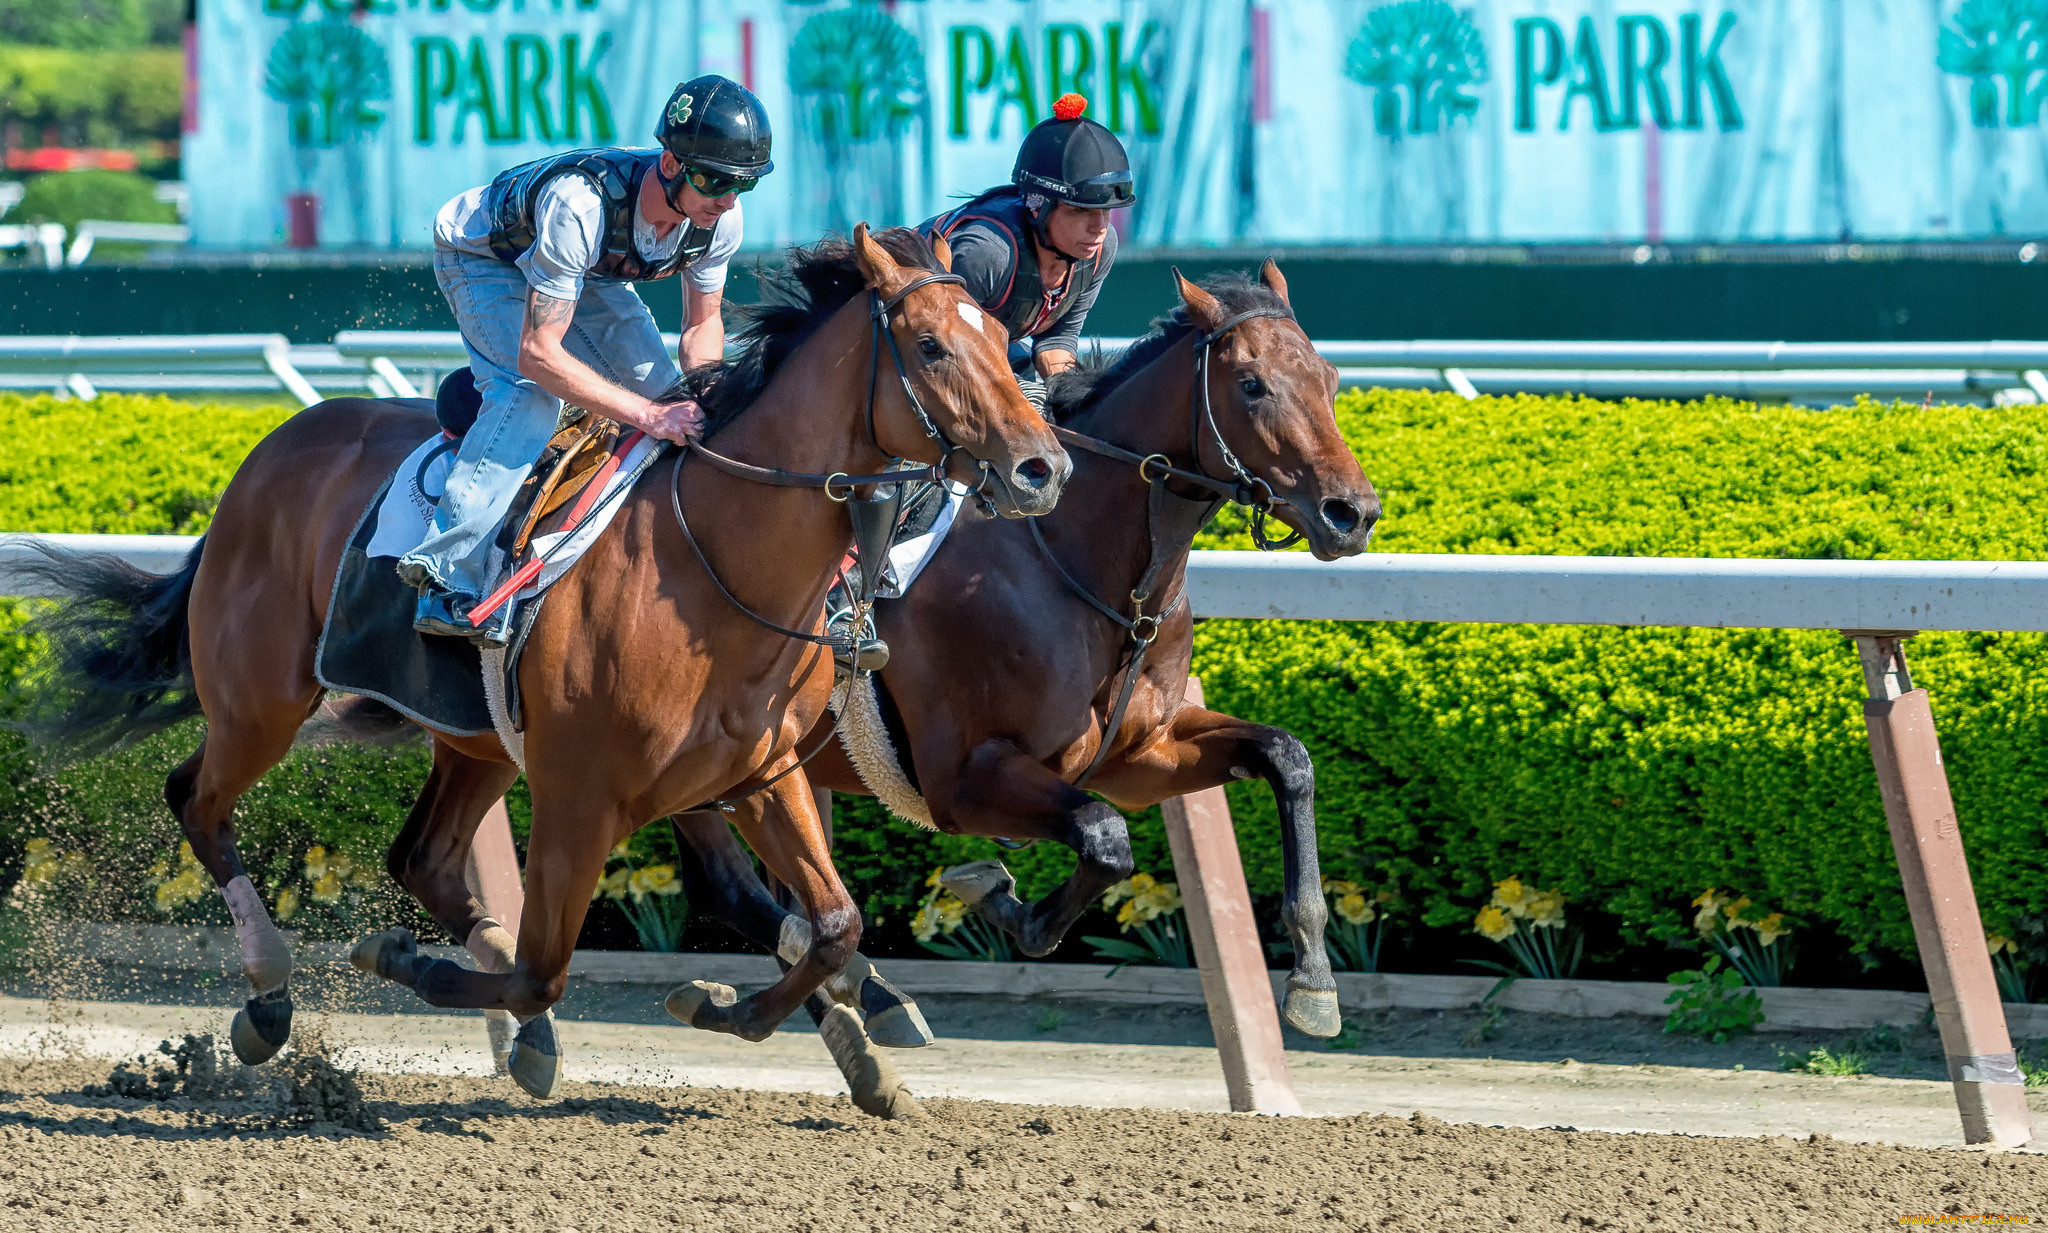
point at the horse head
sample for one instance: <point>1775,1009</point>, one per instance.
<point>1270,409</point>
<point>952,365</point>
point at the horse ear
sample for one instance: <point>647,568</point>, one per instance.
<point>944,252</point>
<point>1270,275</point>
<point>1202,306</point>
<point>880,269</point>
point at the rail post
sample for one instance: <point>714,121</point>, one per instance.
<point>1227,949</point>
<point>1990,1093</point>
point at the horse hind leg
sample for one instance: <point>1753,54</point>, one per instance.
<point>202,792</point>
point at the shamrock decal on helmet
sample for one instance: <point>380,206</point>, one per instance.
<point>679,110</point>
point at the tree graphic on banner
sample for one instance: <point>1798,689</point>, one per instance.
<point>1994,42</point>
<point>1427,49</point>
<point>858,77</point>
<point>327,73</point>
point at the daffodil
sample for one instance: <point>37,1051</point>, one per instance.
<point>1355,908</point>
<point>1734,913</point>
<point>1546,910</point>
<point>2000,943</point>
<point>287,903</point>
<point>1338,887</point>
<point>952,912</point>
<point>622,849</point>
<point>654,880</point>
<point>933,881</point>
<point>327,888</point>
<point>1771,928</point>
<point>316,862</point>
<point>1494,923</point>
<point>187,887</point>
<point>925,925</point>
<point>613,885</point>
<point>1512,897</point>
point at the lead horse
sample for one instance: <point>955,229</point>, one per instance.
<point>671,668</point>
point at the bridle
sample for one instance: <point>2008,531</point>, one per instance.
<point>838,486</point>
<point>1157,470</point>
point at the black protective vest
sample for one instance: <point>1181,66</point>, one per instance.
<point>616,174</point>
<point>1023,300</point>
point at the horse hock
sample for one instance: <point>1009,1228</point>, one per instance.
<point>264,1023</point>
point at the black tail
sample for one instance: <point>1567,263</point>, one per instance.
<point>120,662</point>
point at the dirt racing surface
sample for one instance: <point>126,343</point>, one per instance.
<point>234,1149</point>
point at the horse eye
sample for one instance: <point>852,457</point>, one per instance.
<point>1252,387</point>
<point>930,346</point>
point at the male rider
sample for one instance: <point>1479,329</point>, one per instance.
<point>1035,251</point>
<point>538,267</point>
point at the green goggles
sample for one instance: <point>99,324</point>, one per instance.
<point>718,183</point>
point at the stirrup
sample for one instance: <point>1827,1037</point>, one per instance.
<point>865,655</point>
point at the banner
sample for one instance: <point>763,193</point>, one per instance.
<point>347,123</point>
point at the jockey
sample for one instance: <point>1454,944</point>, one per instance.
<point>538,267</point>
<point>1035,251</point>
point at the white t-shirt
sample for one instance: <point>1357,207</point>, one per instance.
<point>569,230</point>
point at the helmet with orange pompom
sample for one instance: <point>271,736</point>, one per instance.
<point>1074,160</point>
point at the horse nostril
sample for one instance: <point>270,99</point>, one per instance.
<point>1034,473</point>
<point>1342,515</point>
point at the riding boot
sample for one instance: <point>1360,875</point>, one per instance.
<point>443,612</point>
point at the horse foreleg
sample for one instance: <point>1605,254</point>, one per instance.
<point>1006,793</point>
<point>1203,749</point>
<point>781,824</point>
<point>721,881</point>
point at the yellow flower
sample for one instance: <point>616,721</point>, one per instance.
<point>925,925</point>
<point>160,869</point>
<point>933,881</point>
<point>1771,928</point>
<point>952,912</point>
<point>187,887</point>
<point>40,862</point>
<point>287,903</point>
<point>316,861</point>
<point>1355,908</point>
<point>341,865</point>
<point>1511,897</point>
<point>73,865</point>
<point>613,884</point>
<point>1734,913</point>
<point>327,888</point>
<point>622,849</point>
<point>1546,910</point>
<point>1337,886</point>
<point>1999,942</point>
<point>1494,923</point>
<point>654,880</point>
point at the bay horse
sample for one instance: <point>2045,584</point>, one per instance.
<point>671,668</point>
<point>1021,667</point>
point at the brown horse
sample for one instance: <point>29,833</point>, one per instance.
<point>1004,673</point>
<point>648,689</point>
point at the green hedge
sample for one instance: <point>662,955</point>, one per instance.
<point>1629,768</point>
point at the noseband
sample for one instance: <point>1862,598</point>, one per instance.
<point>1157,470</point>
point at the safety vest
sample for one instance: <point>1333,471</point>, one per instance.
<point>1022,306</point>
<point>616,174</point>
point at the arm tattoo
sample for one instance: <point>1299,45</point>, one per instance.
<point>545,310</point>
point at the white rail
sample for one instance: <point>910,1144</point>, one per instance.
<point>1527,590</point>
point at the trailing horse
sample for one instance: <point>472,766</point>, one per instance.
<point>673,667</point>
<point>1032,658</point>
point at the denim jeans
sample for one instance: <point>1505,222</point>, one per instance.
<point>612,332</point>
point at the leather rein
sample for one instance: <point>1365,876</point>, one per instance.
<point>1157,470</point>
<point>838,486</point>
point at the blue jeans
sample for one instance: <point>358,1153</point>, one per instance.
<point>612,332</point>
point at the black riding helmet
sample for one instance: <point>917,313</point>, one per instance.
<point>1075,160</point>
<point>718,131</point>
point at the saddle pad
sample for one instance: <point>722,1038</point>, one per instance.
<point>369,646</point>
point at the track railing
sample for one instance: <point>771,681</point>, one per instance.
<point>1877,604</point>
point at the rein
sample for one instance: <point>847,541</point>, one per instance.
<point>879,328</point>
<point>1157,470</point>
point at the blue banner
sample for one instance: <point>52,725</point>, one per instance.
<point>349,122</point>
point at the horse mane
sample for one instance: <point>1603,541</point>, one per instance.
<point>1096,375</point>
<point>813,282</point>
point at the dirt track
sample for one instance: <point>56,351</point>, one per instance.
<point>468,1154</point>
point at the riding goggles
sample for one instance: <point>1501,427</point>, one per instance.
<point>1109,191</point>
<point>717,183</point>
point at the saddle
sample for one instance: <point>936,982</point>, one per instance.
<point>565,468</point>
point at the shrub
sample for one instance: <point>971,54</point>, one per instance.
<point>1711,1001</point>
<point>69,196</point>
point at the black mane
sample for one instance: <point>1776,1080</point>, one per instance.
<point>812,283</point>
<point>1096,375</point>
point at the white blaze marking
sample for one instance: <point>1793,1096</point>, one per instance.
<point>970,314</point>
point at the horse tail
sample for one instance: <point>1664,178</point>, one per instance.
<point>120,650</point>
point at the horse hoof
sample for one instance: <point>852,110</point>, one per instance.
<point>536,1060</point>
<point>977,880</point>
<point>388,954</point>
<point>1313,1012</point>
<point>893,1020</point>
<point>262,1026</point>
<point>687,1002</point>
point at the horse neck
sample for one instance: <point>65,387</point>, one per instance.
<point>1102,527</point>
<point>811,417</point>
